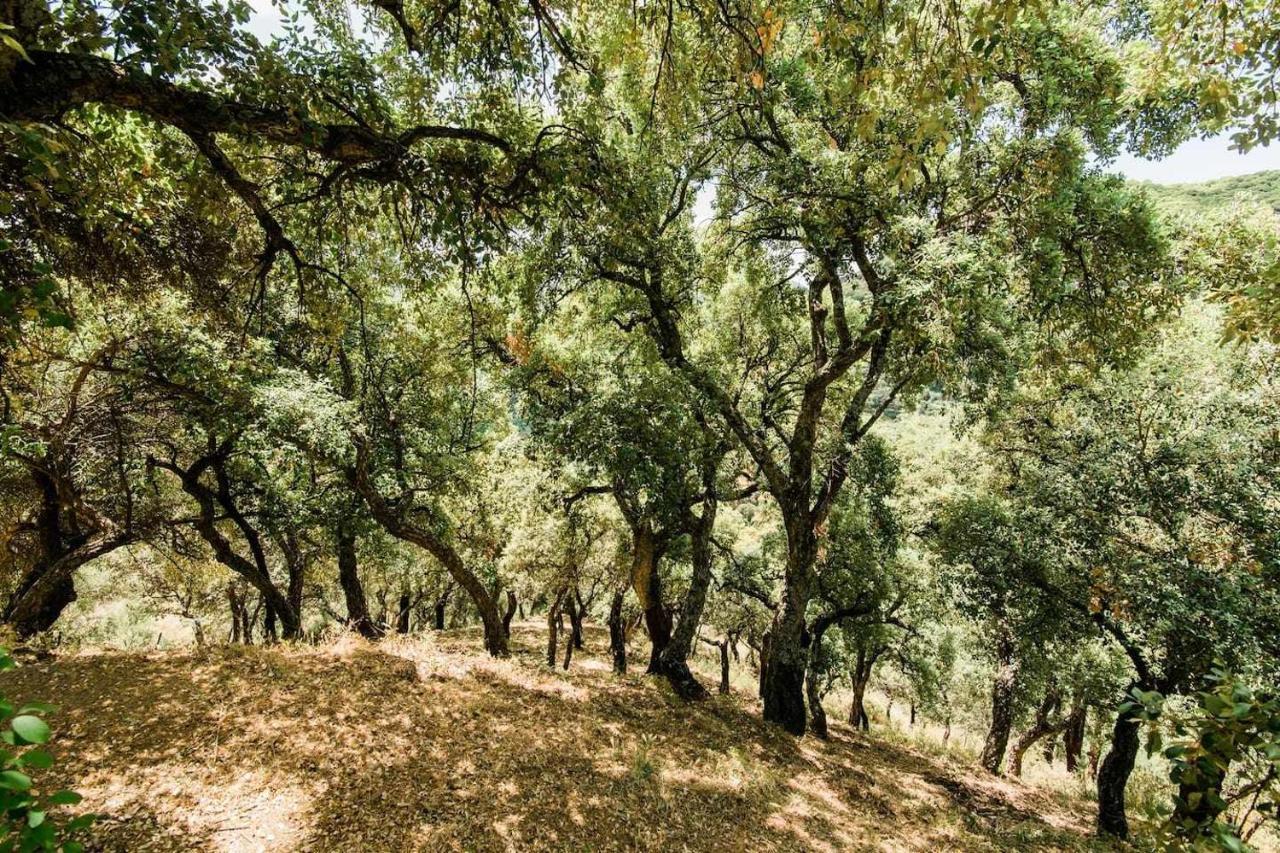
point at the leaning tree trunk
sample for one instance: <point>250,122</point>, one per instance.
<point>1002,706</point>
<point>574,613</point>
<point>352,590</point>
<point>618,632</point>
<point>646,553</point>
<point>863,666</point>
<point>1041,727</point>
<point>674,660</point>
<point>496,641</point>
<point>1113,775</point>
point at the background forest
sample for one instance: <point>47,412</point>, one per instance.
<point>805,353</point>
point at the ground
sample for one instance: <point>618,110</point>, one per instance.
<point>426,744</point>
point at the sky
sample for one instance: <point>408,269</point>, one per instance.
<point>1199,160</point>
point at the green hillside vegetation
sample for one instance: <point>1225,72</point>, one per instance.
<point>1263,187</point>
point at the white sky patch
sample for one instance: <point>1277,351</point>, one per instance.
<point>1198,160</point>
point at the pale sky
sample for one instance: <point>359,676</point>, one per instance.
<point>1199,160</point>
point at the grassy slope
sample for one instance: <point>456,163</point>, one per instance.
<point>1259,186</point>
<point>425,744</point>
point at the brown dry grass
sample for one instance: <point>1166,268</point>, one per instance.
<point>426,744</point>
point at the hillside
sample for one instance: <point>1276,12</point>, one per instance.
<point>425,745</point>
<point>1258,186</point>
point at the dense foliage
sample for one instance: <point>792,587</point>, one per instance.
<point>813,326</point>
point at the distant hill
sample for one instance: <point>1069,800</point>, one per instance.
<point>1260,186</point>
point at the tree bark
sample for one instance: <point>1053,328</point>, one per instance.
<point>1042,726</point>
<point>402,613</point>
<point>1073,736</point>
<point>646,552</point>
<point>574,613</point>
<point>352,590</point>
<point>1113,776</point>
<point>496,642</point>
<point>1002,702</point>
<point>48,587</point>
<point>787,656</point>
<point>813,692</point>
<point>618,633</point>
<point>553,627</point>
<point>510,613</point>
<point>675,657</point>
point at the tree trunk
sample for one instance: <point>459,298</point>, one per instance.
<point>352,589</point>
<point>618,633</point>
<point>724,667</point>
<point>510,613</point>
<point>1073,736</point>
<point>784,673</point>
<point>1002,705</point>
<point>575,619</point>
<point>402,613</point>
<point>269,634</point>
<point>813,692</point>
<point>1113,776</point>
<point>553,627</point>
<point>1042,726</point>
<point>568,652</point>
<point>764,661</point>
<point>675,657</point>
<point>441,605</point>
<point>495,638</point>
<point>236,604</point>
<point>646,553</point>
<point>864,665</point>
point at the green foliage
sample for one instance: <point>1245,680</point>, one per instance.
<point>30,819</point>
<point>1223,750</point>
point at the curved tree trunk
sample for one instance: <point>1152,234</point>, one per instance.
<point>48,587</point>
<point>496,641</point>
<point>574,613</point>
<point>674,660</point>
<point>1041,727</point>
<point>1113,776</point>
<point>1002,707</point>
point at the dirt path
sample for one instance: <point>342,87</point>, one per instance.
<point>428,745</point>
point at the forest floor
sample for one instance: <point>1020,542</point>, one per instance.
<point>427,744</point>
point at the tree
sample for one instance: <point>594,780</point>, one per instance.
<point>845,267</point>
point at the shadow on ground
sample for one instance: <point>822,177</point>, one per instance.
<point>426,744</point>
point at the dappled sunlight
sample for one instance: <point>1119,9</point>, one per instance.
<point>427,744</point>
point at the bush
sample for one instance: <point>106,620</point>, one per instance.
<point>28,822</point>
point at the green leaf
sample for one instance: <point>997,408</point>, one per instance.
<point>30,729</point>
<point>38,759</point>
<point>15,781</point>
<point>35,818</point>
<point>64,798</point>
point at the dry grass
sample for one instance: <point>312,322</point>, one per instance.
<point>426,744</point>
